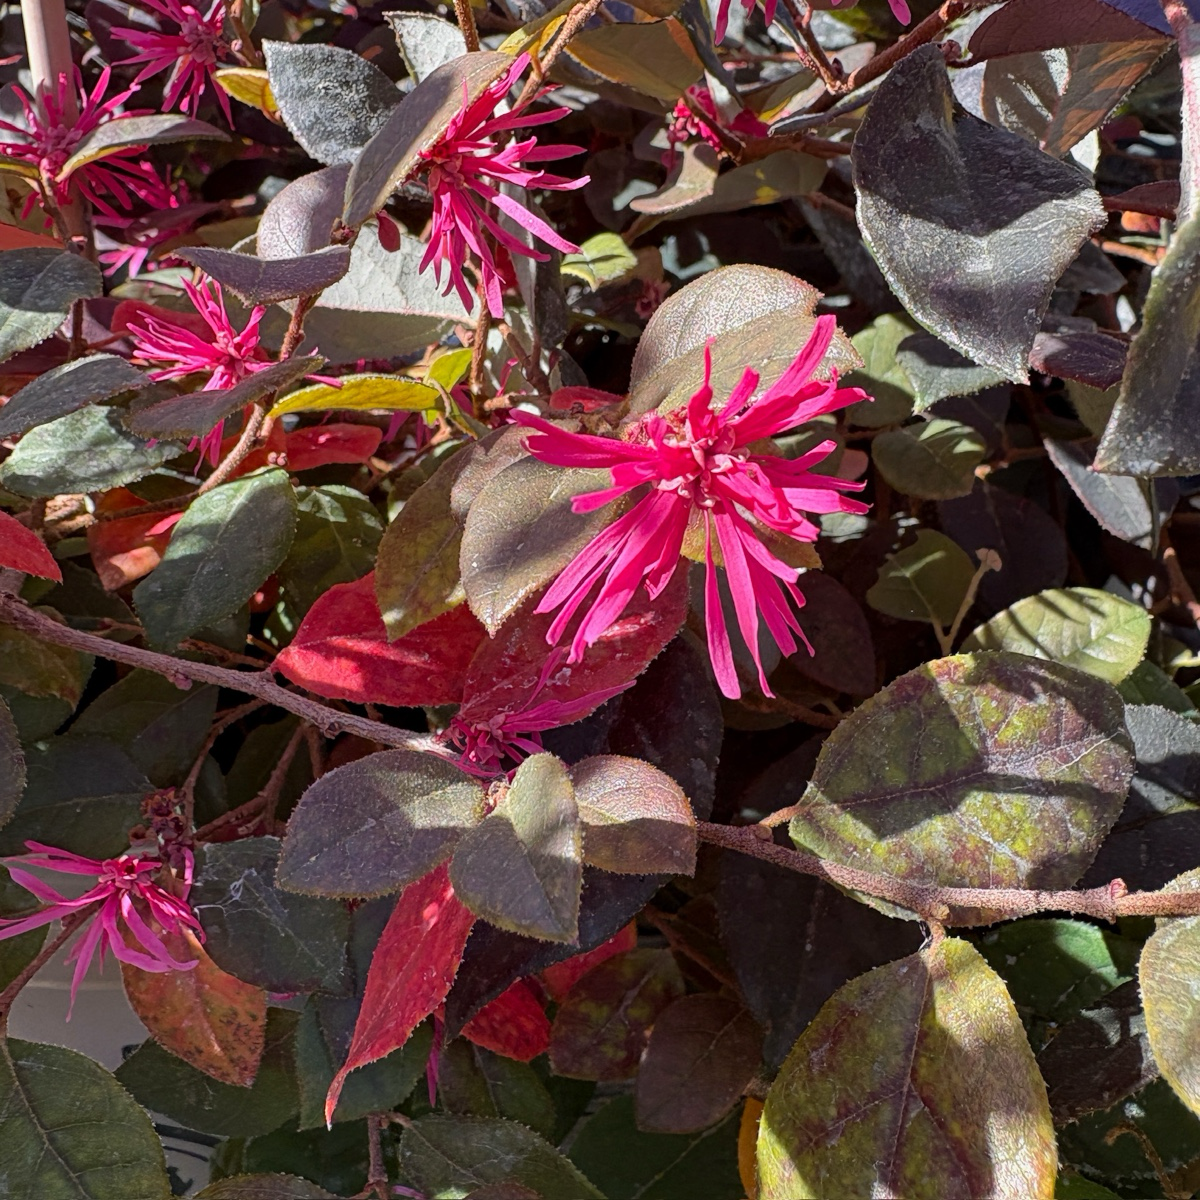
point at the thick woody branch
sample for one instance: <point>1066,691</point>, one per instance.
<point>182,672</point>
<point>951,906</point>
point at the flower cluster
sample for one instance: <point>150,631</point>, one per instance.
<point>462,171</point>
<point>707,476</point>
<point>685,124</point>
<point>127,906</point>
<point>190,51</point>
<point>48,139</point>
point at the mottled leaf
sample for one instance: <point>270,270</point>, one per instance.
<point>914,1080</point>
<point>425,42</point>
<point>979,770</point>
<point>269,280</point>
<point>926,581</point>
<point>204,1016</point>
<point>62,390</point>
<point>1085,628</point>
<point>448,1156</point>
<point>411,971</point>
<point>636,820</point>
<point>934,460</point>
<point>38,285</point>
<point>71,1132</point>
<point>341,651</point>
<point>521,868</point>
<point>38,668</point>
<point>601,1028</point>
<point>226,543</point>
<point>332,100</point>
<point>268,937</point>
<point>971,225</point>
<point>702,1053</point>
<point>89,450</point>
<point>169,1086</point>
<point>377,824</point>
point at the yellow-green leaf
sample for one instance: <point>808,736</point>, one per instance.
<point>249,85</point>
<point>449,368</point>
<point>361,392</point>
<point>600,259</point>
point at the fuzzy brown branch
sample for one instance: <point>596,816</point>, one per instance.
<point>328,720</point>
<point>948,905</point>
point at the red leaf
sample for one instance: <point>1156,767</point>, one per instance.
<point>125,550</point>
<point>411,972</point>
<point>504,674</point>
<point>22,550</point>
<point>319,445</point>
<point>560,978</point>
<point>13,237</point>
<point>514,1024</point>
<point>341,651</point>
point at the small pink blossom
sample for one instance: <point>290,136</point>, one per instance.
<point>684,125</point>
<point>123,897</point>
<point>706,476</point>
<point>191,52</point>
<point>229,355</point>
<point>463,168</point>
<point>485,747</point>
<point>140,237</point>
<point>47,140</point>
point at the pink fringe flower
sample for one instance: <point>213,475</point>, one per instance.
<point>123,897</point>
<point>684,125</point>
<point>705,475</point>
<point>191,53</point>
<point>463,168</point>
<point>899,9</point>
<point>229,355</point>
<point>47,141</point>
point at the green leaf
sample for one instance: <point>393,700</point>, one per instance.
<point>393,153</point>
<point>337,535</point>
<point>934,460</point>
<point>274,939</point>
<point>122,133</point>
<point>62,390</point>
<point>37,288</point>
<point>12,765</point>
<point>225,545</point>
<point>521,531</point>
<point>380,1086</point>
<point>376,824</point>
<point>337,1159</point>
<point>521,868</point>
<point>636,819</point>
<point>939,372</point>
<point>86,451</point>
<point>703,1052</point>
<point>623,1161</point>
<point>162,726</point>
<point>264,1187</point>
<point>599,260</point>
<point>451,366</point>
<point>361,393</point>
<point>69,1131</point>
<point>881,376</point>
<point>970,224</point>
<point>83,794</point>
<point>1168,970</point>
<point>417,569</point>
<point>39,668</point>
<point>1086,628</point>
<point>980,770</point>
<point>926,581</point>
<point>447,1157</point>
<point>1148,684</point>
<point>601,1028</point>
<point>914,1080</point>
<point>167,1085</point>
<point>476,1082</point>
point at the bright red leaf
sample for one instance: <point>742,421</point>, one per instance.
<point>341,651</point>
<point>125,550</point>
<point>411,972</point>
<point>560,978</point>
<point>514,1024</point>
<point>319,445</point>
<point>22,550</point>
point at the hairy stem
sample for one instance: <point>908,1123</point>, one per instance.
<point>466,23</point>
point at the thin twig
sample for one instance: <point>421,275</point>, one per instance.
<point>329,721</point>
<point>575,20</point>
<point>951,905</point>
<point>187,792</point>
<point>377,1176</point>
<point>273,788</point>
<point>466,24</point>
<point>831,75</point>
<point>1181,590</point>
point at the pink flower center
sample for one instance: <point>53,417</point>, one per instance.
<point>689,464</point>
<point>120,873</point>
<point>202,40</point>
